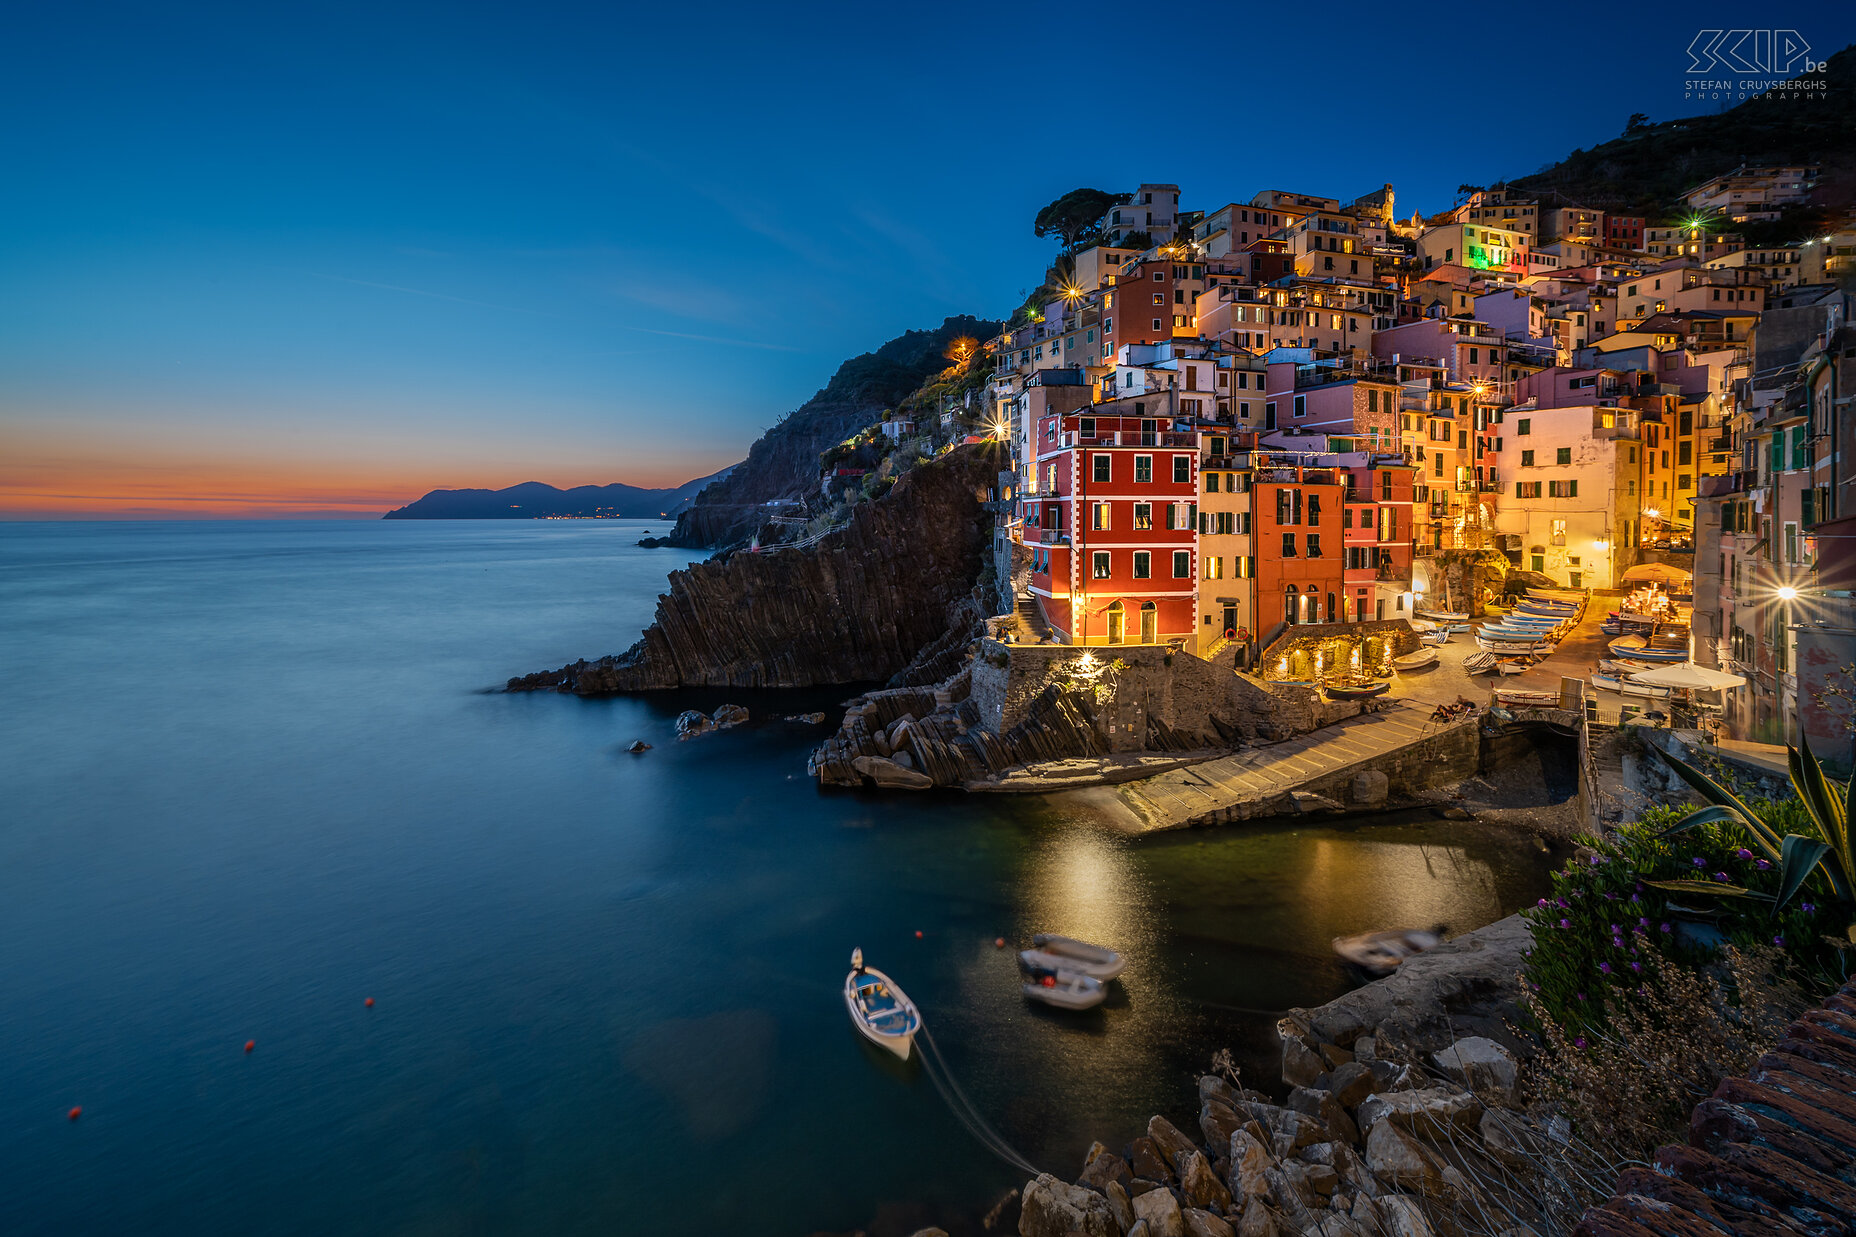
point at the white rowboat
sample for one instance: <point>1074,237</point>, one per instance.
<point>1416,661</point>
<point>1096,961</point>
<point>881,1012</point>
<point>1381,952</point>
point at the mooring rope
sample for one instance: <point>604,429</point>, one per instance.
<point>964,1110</point>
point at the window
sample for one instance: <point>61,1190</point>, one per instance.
<point>1537,562</point>
<point>1158,326</point>
<point>1301,405</point>
<point>1098,516</point>
<point>1182,469</point>
<point>1211,483</point>
<point>1559,532</point>
<point>1527,489</point>
<point>1527,459</point>
<point>1791,543</point>
<point>1087,427</point>
<point>1314,508</point>
<point>1288,545</point>
<point>1314,545</point>
<point>1524,426</point>
<point>1143,468</point>
<point>1099,565</point>
<point>1159,298</point>
<point>1563,455</point>
<point>1102,462</point>
<point>1143,564</point>
<point>1562,489</point>
<point>1143,515</point>
<point>1182,564</point>
<point>1214,567</point>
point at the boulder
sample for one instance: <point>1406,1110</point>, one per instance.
<point>1212,1087</point>
<point>1244,1168</point>
<point>1301,1065</point>
<point>1289,1188</point>
<point>1054,1208</point>
<point>890,775</point>
<point>1371,788</point>
<point>1288,1129</point>
<point>1160,1210</point>
<point>1323,1179</point>
<point>1141,1185</point>
<point>1350,1083</point>
<point>1401,1216</point>
<point>1217,1122</point>
<point>1120,1204</point>
<point>1345,1162</point>
<point>1149,1161</point>
<point>1256,1221</point>
<point>1505,1136</point>
<point>1172,1143</point>
<point>691,723</point>
<point>1363,1048</point>
<point>1104,1168</point>
<point>904,759</point>
<point>1139,1229</point>
<point>1333,1054</point>
<point>1430,1110</point>
<point>639,745</point>
<point>1398,1160</point>
<point>1200,1184</point>
<point>1323,1107</point>
<point>810,719</point>
<point>1482,1065</point>
<point>1205,1224</point>
<point>728,715</point>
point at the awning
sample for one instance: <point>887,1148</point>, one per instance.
<point>1688,675</point>
<point>1662,573</point>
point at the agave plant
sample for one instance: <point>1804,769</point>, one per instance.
<point>1830,806</point>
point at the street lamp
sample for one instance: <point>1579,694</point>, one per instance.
<point>1787,592</point>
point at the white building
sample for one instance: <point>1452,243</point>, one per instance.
<point>1568,501</point>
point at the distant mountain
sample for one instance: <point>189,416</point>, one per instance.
<point>1647,169</point>
<point>534,501</point>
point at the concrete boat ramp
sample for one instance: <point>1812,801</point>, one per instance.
<point>1356,764</point>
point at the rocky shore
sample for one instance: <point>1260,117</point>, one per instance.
<point>1398,1116</point>
<point>859,606</point>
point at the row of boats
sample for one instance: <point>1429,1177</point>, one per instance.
<point>1073,974</point>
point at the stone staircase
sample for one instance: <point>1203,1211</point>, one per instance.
<point>1031,619</point>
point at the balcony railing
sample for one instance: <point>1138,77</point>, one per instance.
<point>1048,536</point>
<point>1130,438</point>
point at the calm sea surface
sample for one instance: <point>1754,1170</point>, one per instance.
<point>250,776</point>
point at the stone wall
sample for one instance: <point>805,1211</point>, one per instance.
<point>1404,639</point>
<point>1162,689</point>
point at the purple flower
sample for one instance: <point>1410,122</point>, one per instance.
<point>1720,876</point>
<point>1580,995</point>
<point>1579,1042</point>
<point>1744,853</point>
<point>1636,897</point>
<point>1809,908</point>
<point>1667,928</point>
<point>1604,968</point>
<point>1637,966</point>
<point>1595,861</point>
<point>1778,940</point>
<point>1762,864</point>
<point>1642,922</point>
<point>1699,862</point>
<point>1565,923</point>
<point>1563,903</point>
<point>1616,930</point>
<point>1542,902</point>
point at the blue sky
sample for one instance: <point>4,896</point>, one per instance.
<point>325,259</point>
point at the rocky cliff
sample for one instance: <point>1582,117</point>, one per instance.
<point>784,462</point>
<point>855,607</point>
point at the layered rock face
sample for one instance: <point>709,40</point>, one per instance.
<point>855,607</point>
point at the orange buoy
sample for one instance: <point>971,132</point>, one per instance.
<point>76,1113</point>
<point>250,1044</point>
<point>369,1002</point>
<point>1049,981</point>
<point>918,934</point>
<point>998,942</point>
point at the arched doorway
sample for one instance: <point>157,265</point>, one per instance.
<point>1291,605</point>
<point>1150,623</point>
<point>1117,623</point>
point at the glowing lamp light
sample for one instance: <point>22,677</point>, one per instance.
<point>1787,592</point>
<point>1652,512</point>
<point>1601,544</point>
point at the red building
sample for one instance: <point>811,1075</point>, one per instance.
<point>1113,527</point>
<point>1624,231</point>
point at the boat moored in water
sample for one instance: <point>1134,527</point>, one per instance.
<point>1380,953</point>
<point>1063,988</point>
<point>881,1012</point>
<point>1097,961</point>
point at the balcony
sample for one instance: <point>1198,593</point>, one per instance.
<point>1047,536</point>
<point>1131,438</point>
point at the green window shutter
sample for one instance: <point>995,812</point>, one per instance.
<point>1778,451</point>
<point>1807,508</point>
<point>1801,451</point>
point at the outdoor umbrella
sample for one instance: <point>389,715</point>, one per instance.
<point>1687,675</point>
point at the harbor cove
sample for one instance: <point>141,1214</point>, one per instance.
<point>605,985</point>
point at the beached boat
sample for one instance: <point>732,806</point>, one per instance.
<point>1444,616</point>
<point>1416,661</point>
<point>1380,953</point>
<point>1356,689</point>
<point>1517,697</point>
<point>1095,960</point>
<point>1650,648</point>
<point>1512,646</point>
<point>1534,605</point>
<point>1624,687</point>
<point>1421,625</point>
<point>1066,989</point>
<point>1512,665</point>
<point>1556,594</point>
<point>1624,667</point>
<point>1435,637</point>
<point>1476,663</point>
<point>1459,628</point>
<point>880,1010</point>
